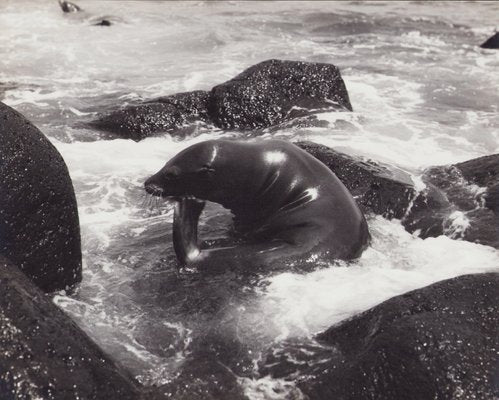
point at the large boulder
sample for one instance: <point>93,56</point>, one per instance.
<point>438,342</point>
<point>39,228</point>
<point>264,95</point>
<point>274,90</point>
<point>376,187</point>
<point>461,201</point>
<point>45,355</point>
<point>164,114</point>
<point>492,42</point>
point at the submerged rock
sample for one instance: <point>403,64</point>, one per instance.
<point>45,355</point>
<point>264,95</point>
<point>103,22</point>
<point>461,201</point>
<point>377,188</point>
<point>274,90</point>
<point>39,227</point>
<point>438,342</point>
<point>6,86</point>
<point>492,42</point>
<point>159,115</point>
<point>203,379</point>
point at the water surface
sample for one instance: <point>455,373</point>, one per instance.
<point>423,94</point>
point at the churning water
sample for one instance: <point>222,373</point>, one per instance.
<point>423,94</point>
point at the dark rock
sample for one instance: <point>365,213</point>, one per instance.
<point>217,358</point>
<point>492,198</point>
<point>460,201</point>
<point>492,42</point>
<point>377,188</point>
<point>438,342</point>
<point>159,115</point>
<point>466,193</point>
<point>39,228</point>
<point>273,91</point>
<point>103,22</point>
<point>482,171</point>
<point>204,379</point>
<point>428,212</point>
<point>45,355</point>
<point>68,7</point>
<point>264,95</point>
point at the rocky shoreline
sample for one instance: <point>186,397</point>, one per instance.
<point>430,343</point>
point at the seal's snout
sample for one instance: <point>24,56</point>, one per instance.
<point>154,189</point>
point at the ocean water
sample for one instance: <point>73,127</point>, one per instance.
<point>423,94</point>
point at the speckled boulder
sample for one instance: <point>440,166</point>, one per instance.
<point>438,342</point>
<point>274,90</point>
<point>164,114</point>
<point>492,42</point>
<point>461,201</point>
<point>45,355</point>
<point>377,188</point>
<point>263,95</point>
<point>39,228</point>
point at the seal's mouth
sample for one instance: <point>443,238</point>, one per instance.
<point>154,189</point>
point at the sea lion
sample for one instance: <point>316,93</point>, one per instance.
<point>286,203</point>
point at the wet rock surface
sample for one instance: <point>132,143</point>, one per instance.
<point>202,380</point>
<point>377,188</point>
<point>264,95</point>
<point>275,90</point>
<point>39,227</point>
<point>438,342</point>
<point>492,42</point>
<point>461,201</point>
<point>44,354</point>
<point>163,114</point>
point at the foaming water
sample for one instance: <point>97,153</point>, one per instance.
<point>395,263</point>
<point>423,94</point>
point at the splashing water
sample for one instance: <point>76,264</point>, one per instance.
<point>423,94</point>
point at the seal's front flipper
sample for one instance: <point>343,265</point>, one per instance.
<point>185,228</point>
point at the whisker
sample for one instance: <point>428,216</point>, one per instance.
<point>145,197</point>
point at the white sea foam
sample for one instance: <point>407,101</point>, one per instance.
<point>267,388</point>
<point>303,304</point>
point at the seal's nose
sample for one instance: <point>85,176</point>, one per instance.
<point>153,188</point>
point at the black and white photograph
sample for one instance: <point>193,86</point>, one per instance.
<point>249,200</point>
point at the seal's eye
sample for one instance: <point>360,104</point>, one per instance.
<point>172,172</point>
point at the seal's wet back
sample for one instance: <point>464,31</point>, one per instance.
<point>286,203</point>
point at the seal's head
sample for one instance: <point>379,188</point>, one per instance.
<point>192,172</point>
